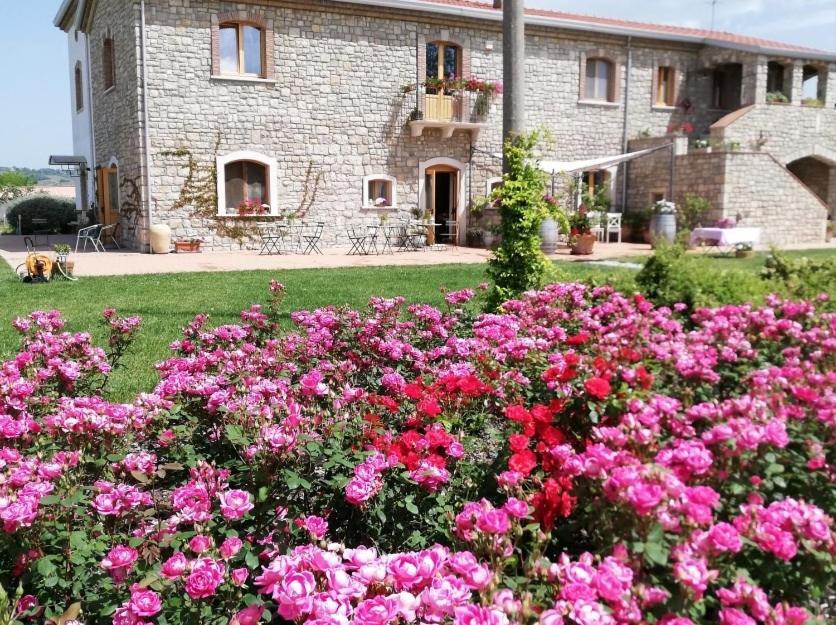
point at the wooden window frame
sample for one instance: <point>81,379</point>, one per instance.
<point>245,166</point>
<point>241,19</point>
<point>665,75</point>
<point>613,96</point>
<point>108,63</point>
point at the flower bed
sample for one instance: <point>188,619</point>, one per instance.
<point>582,458</point>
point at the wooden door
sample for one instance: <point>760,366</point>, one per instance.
<point>108,195</point>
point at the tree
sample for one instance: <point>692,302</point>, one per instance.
<point>14,184</point>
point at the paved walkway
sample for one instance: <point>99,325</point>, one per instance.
<point>120,262</point>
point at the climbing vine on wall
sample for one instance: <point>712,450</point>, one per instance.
<point>131,204</point>
<point>199,195</point>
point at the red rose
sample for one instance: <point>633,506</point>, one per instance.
<point>517,413</point>
<point>429,407</point>
<point>598,388</point>
<point>413,391</point>
<point>518,442</point>
<point>523,461</point>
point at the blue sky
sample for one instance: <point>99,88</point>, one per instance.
<point>34,80</point>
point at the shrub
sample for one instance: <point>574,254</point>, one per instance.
<point>801,277</point>
<point>58,214</point>
<point>692,212</point>
<point>670,276</point>
<point>774,97</point>
<point>583,457</point>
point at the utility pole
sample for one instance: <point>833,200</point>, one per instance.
<point>513,69</point>
<point>713,13</point>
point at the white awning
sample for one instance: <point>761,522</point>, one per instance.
<point>557,167</point>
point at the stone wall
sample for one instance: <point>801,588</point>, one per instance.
<point>116,112</point>
<point>333,105</point>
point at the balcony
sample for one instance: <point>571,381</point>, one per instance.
<point>448,110</point>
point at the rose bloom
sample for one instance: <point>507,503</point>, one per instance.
<point>120,559</point>
<point>204,579</point>
<point>239,576</point>
<point>175,566</point>
<point>200,543</point>
<point>235,504</point>
<point>317,526</point>
<point>599,388</point>
<point>493,522</point>
<point>230,547</point>
<point>477,615</point>
<point>248,616</point>
<point>144,602</point>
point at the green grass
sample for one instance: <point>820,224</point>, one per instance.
<point>753,264</point>
<point>166,302</point>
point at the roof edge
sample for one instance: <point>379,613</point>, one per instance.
<point>490,14</point>
<point>65,15</point>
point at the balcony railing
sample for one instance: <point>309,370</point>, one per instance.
<point>448,110</point>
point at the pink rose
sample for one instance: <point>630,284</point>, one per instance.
<point>119,561</point>
<point>516,508</point>
<point>316,526</point>
<point>493,522</point>
<point>200,543</point>
<point>248,616</point>
<point>230,547</point>
<point>378,611</point>
<point>205,577</point>
<point>239,576</point>
<point>235,504</point>
<point>477,615</point>
<point>144,602</point>
<point>175,566</point>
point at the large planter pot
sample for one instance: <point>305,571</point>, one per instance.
<point>489,240</point>
<point>187,247</point>
<point>584,244</point>
<point>663,228</point>
<point>548,236</point>
<point>160,239</point>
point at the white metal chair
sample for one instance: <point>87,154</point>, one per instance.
<point>108,233</point>
<point>90,234</point>
<point>596,226</point>
<point>613,226</point>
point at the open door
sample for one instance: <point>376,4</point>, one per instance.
<point>441,189</point>
<point>108,194</point>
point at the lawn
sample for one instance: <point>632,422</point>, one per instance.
<point>167,302</point>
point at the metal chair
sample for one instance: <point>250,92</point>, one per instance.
<point>269,239</point>
<point>596,226</point>
<point>109,233</point>
<point>358,239</point>
<point>451,235</point>
<point>312,236</point>
<point>613,225</point>
<point>90,234</point>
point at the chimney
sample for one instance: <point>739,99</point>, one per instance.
<point>497,4</point>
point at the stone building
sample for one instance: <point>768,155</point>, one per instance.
<point>342,110</point>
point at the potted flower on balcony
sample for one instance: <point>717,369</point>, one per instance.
<point>581,239</point>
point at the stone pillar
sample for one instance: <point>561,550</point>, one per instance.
<point>797,83</point>
<point>513,66</point>
<point>827,85</point>
<point>753,89</point>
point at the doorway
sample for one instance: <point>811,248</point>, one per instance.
<point>441,193</point>
<point>108,195</point>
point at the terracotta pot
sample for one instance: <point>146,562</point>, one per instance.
<point>187,247</point>
<point>584,245</point>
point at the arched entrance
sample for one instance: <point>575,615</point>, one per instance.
<point>818,175</point>
<point>441,193</point>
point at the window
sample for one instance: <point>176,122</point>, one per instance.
<point>493,184</point>
<point>108,64</point>
<point>380,191</point>
<point>444,61</point>
<point>241,49</point>
<point>666,86</point>
<point>774,77</point>
<point>811,86</point>
<point>599,80</point>
<point>246,177</point>
<point>79,88</point>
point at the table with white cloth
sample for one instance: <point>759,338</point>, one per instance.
<point>725,238</point>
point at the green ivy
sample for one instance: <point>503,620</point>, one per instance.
<point>518,265</point>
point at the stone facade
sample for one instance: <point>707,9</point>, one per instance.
<point>331,104</point>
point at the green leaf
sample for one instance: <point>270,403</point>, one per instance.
<point>656,553</point>
<point>46,568</point>
<point>251,559</point>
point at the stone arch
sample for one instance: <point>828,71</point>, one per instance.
<point>461,197</point>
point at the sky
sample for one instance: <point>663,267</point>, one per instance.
<point>34,75</point>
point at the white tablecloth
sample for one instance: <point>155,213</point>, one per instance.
<point>724,237</point>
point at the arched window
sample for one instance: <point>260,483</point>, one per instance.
<point>79,88</point>
<point>242,49</point>
<point>108,63</point>
<point>245,184</point>
<point>600,80</point>
<point>444,62</point>
<point>380,191</point>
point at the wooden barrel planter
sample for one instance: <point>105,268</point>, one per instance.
<point>663,228</point>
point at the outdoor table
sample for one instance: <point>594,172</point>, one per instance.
<point>725,238</point>
<point>390,236</point>
<point>290,237</point>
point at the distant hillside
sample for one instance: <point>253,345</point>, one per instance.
<point>44,177</point>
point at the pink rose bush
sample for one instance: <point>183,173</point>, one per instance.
<point>579,457</point>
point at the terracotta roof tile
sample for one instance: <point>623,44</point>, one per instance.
<point>650,28</point>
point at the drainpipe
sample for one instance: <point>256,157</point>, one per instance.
<point>91,166</point>
<point>146,128</point>
<point>624,142</point>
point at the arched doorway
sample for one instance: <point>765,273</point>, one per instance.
<point>819,176</point>
<point>441,188</point>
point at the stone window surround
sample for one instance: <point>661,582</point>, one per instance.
<point>269,51</point>
<point>108,64</point>
<point>368,202</point>
<point>665,61</point>
<point>616,61</point>
<point>270,163</point>
<point>438,35</point>
<point>489,185</point>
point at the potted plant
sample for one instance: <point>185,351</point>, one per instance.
<point>703,145</point>
<point>252,207</point>
<point>777,97</point>
<point>581,239</point>
<point>663,222</point>
<point>743,250</point>
<point>187,246</point>
<point>475,237</point>
<point>62,253</point>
